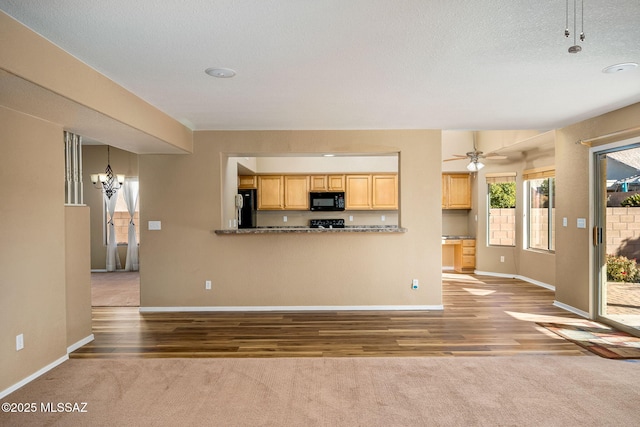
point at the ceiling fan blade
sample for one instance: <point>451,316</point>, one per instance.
<point>495,157</point>
<point>457,158</point>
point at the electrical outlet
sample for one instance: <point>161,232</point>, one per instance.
<point>383,218</point>
<point>284,219</point>
<point>207,285</point>
<point>414,284</point>
<point>350,217</point>
<point>19,342</point>
<point>502,258</point>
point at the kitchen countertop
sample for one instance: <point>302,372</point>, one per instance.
<point>449,237</point>
<point>301,229</point>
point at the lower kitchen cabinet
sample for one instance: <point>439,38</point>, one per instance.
<point>464,256</point>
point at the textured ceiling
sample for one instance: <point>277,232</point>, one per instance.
<point>356,64</point>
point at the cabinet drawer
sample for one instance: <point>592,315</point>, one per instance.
<point>468,251</point>
<point>468,261</point>
<point>469,243</point>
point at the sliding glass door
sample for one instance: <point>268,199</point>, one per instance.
<point>616,235</point>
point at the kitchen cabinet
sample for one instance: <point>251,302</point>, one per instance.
<point>464,256</point>
<point>326,183</point>
<point>247,181</point>
<point>283,192</point>
<point>384,191</point>
<point>270,192</point>
<point>358,192</point>
<point>456,191</point>
<point>296,192</point>
<point>372,192</point>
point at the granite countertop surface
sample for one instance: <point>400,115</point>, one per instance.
<point>302,229</point>
<point>453,237</point>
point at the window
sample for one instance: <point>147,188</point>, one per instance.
<point>540,223</point>
<point>121,219</point>
<point>501,224</point>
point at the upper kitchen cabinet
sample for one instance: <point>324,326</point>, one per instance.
<point>247,181</point>
<point>456,191</point>
<point>327,183</point>
<point>270,192</point>
<point>277,192</point>
<point>296,192</point>
<point>384,191</point>
<point>371,192</point>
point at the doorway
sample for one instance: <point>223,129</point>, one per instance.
<point>616,234</point>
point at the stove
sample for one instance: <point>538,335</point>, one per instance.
<point>326,223</point>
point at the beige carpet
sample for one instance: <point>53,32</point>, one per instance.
<point>115,289</point>
<point>481,391</point>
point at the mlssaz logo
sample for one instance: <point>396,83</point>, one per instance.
<point>63,407</point>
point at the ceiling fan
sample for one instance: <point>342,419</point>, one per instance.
<point>474,157</point>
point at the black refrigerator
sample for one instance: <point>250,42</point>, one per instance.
<point>247,212</point>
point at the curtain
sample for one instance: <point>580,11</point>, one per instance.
<point>131,187</point>
<point>113,260</point>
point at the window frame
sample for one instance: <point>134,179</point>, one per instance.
<point>541,174</point>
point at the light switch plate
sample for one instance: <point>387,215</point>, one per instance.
<point>155,225</point>
<point>581,223</point>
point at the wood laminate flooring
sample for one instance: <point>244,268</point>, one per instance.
<point>482,316</point>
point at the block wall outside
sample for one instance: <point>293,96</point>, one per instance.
<point>623,231</point>
<point>502,227</point>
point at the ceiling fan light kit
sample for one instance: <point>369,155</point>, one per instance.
<point>475,166</point>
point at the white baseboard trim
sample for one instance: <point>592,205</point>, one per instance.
<point>77,345</point>
<point>516,276</point>
<point>572,309</point>
<point>296,308</point>
<point>33,376</point>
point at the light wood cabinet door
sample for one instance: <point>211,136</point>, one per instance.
<point>247,181</point>
<point>318,183</point>
<point>456,191</point>
<point>358,192</point>
<point>335,183</point>
<point>296,192</point>
<point>326,183</point>
<point>270,192</point>
<point>384,192</point>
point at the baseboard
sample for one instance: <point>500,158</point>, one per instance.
<point>297,308</point>
<point>572,309</point>
<point>516,276</point>
<point>77,345</point>
<point>33,376</point>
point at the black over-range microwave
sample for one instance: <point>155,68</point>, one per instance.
<point>326,200</point>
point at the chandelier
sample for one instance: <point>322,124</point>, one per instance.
<point>108,182</point>
<point>575,48</point>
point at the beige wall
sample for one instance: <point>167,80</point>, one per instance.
<point>573,276</point>
<point>533,265</point>
<point>32,257</point>
<point>94,159</point>
<point>292,269</point>
<point>78,276</point>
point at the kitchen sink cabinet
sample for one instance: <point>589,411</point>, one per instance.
<point>456,191</point>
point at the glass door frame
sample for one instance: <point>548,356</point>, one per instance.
<point>598,208</point>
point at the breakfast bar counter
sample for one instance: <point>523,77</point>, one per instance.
<point>309,230</point>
